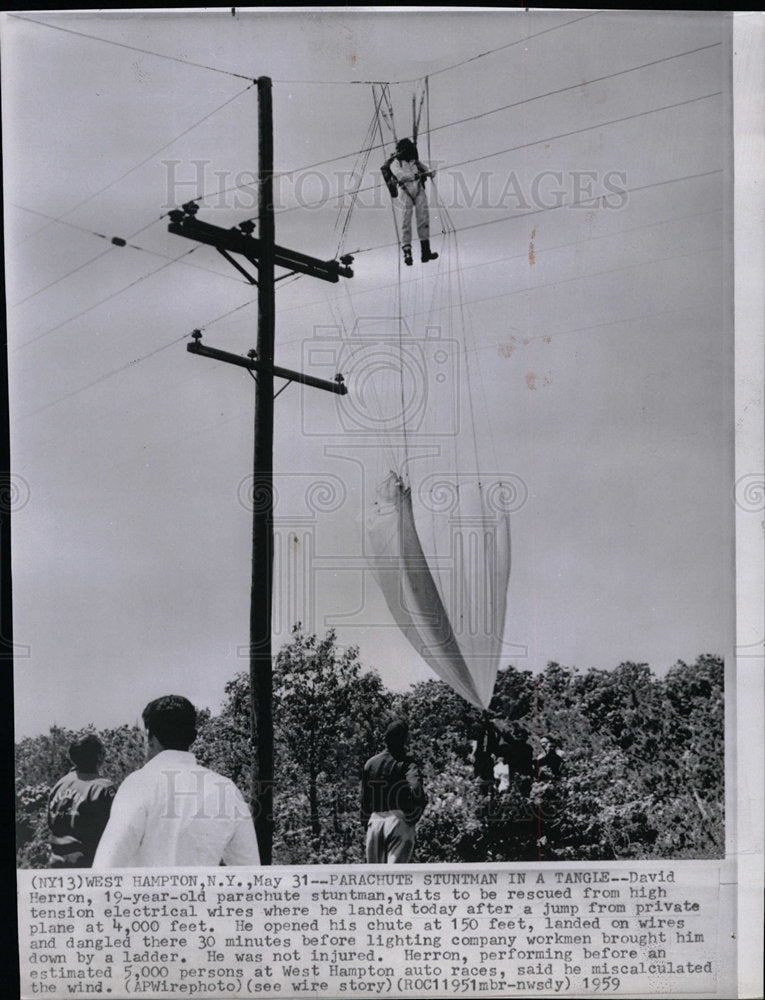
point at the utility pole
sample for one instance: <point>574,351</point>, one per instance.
<point>266,255</point>
<point>261,590</point>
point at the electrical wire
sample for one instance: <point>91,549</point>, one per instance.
<point>552,208</point>
<point>101,378</point>
<point>132,48</point>
<point>514,149</point>
<point>359,170</point>
<point>469,118</point>
<point>102,236</point>
<point>142,163</point>
<point>135,361</point>
<point>382,246</point>
<point>496,153</point>
<point>249,76</point>
<point>445,125</point>
<point>101,302</point>
<point>444,69</point>
<point>580,277</point>
<point>517,256</point>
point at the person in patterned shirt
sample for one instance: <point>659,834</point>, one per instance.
<point>79,807</point>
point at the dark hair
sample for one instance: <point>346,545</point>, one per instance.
<point>173,720</point>
<point>86,752</point>
<point>407,149</point>
<point>396,734</point>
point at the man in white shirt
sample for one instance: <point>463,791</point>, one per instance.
<point>173,812</point>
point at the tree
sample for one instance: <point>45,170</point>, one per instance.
<point>328,715</point>
<point>602,764</point>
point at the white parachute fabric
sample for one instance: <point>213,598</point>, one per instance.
<point>450,605</point>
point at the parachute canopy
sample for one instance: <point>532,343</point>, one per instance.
<point>451,606</point>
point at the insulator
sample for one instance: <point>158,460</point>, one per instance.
<point>190,208</point>
<point>177,215</point>
<point>247,227</point>
<point>118,241</point>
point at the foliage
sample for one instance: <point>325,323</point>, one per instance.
<point>328,714</point>
<point>592,766</point>
<point>42,760</point>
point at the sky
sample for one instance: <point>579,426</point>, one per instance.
<point>574,338</point>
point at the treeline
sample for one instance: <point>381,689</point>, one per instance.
<point>598,765</point>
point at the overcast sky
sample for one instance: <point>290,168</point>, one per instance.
<point>587,341</point>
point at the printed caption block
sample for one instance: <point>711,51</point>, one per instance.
<point>384,931</point>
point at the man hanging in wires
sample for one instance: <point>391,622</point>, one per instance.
<point>409,178</point>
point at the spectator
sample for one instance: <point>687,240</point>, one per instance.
<point>173,812</point>
<point>78,807</point>
<point>392,800</point>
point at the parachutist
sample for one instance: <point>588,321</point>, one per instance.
<point>409,177</point>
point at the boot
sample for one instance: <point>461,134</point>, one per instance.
<point>407,248</point>
<point>426,253</point>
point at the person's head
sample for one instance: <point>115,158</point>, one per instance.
<point>171,723</point>
<point>406,150</point>
<point>87,753</point>
<point>396,736</point>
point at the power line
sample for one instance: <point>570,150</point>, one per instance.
<point>576,86</point>
<point>135,361</point>
<point>477,225</point>
<point>566,281</point>
<point>144,161</point>
<point>477,349</point>
<point>230,312</point>
<point>74,270</point>
<point>518,41</point>
<point>584,277</point>
<point>92,260</point>
<point>516,256</point>
<point>101,378</point>
<point>589,128</point>
<point>600,326</point>
<point>515,149</point>
<point>102,301</point>
<point>462,121</point>
<point>436,128</point>
<point>444,69</point>
<point>482,114</point>
<point>133,48</point>
<point>552,208</point>
<point>451,166</point>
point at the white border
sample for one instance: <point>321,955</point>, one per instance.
<point>749,255</point>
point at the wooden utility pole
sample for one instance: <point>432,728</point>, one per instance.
<point>266,255</point>
<point>261,592</point>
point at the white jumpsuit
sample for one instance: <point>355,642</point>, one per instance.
<point>412,197</point>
